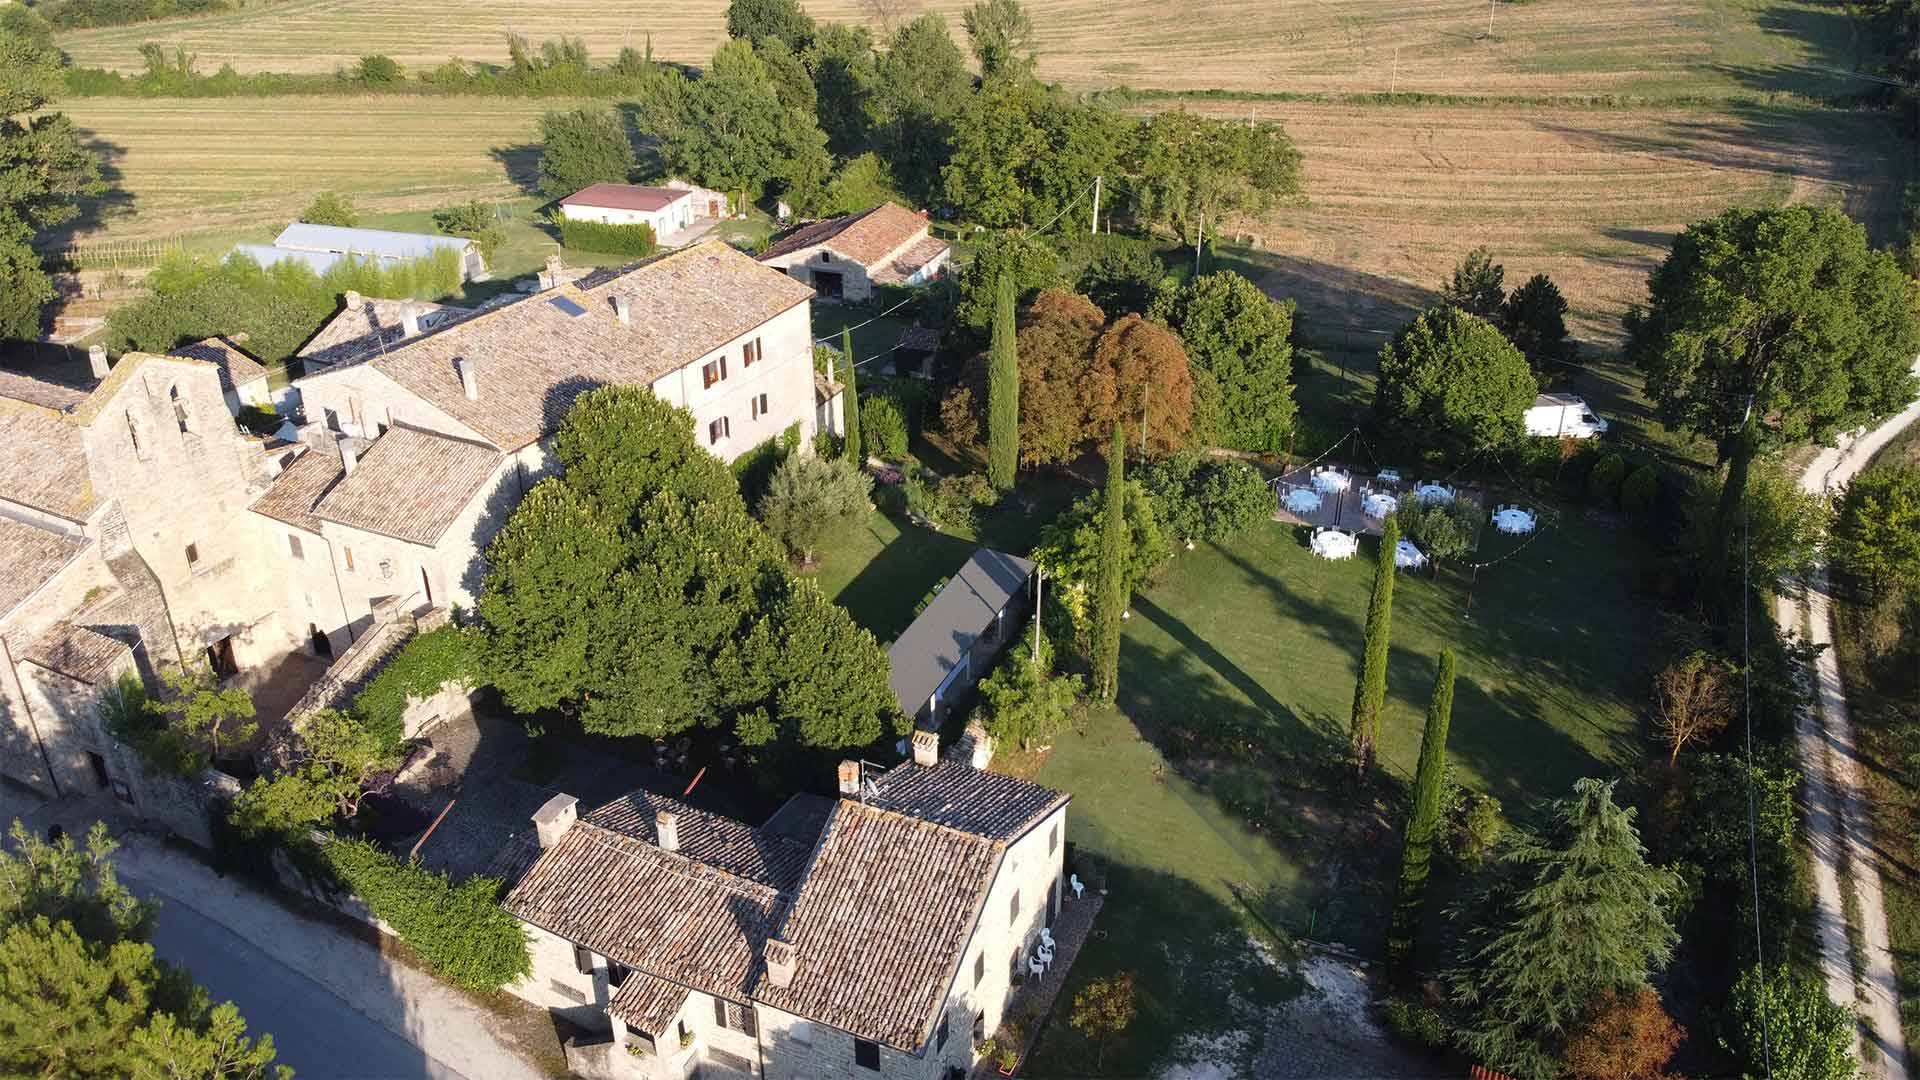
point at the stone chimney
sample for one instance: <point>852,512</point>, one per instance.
<point>850,779</point>
<point>409,320</point>
<point>97,360</point>
<point>469,378</point>
<point>349,455</point>
<point>926,748</point>
<point>666,830</point>
<point>353,300</point>
<point>554,818</point>
<point>550,277</point>
<point>782,961</point>
<point>982,746</point>
<point>623,310</point>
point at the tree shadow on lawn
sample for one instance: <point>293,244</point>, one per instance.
<point>883,595</point>
<point>1196,974</point>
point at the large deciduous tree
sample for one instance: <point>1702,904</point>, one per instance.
<point>1451,383</point>
<point>1192,172</point>
<point>1876,534</point>
<point>580,147</point>
<point>1568,916</point>
<point>1239,337</point>
<point>1003,393</point>
<point>779,20</point>
<point>844,71</point>
<point>1771,327</point>
<point>1627,1036</point>
<point>1057,335</point>
<point>1370,689</point>
<point>1423,819</point>
<point>1692,701</point>
<point>1002,37</point>
<point>1788,1025</point>
<point>920,87</point>
<point>730,130</point>
<point>44,168</point>
<point>1111,591</point>
<point>1535,320</point>
<point>809,496</point>
<point>1145,365</point>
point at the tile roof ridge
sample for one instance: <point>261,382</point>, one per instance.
<point>916,819</point>
<point>678,863</point>
<point>478,444</point>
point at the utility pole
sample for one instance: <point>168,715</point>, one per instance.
<point>1093,227</point>
<point>1146,395</point>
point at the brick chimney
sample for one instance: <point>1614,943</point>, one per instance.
<point>554,818</point>
<point>666,830</point>
<point>982,746</point>
<point>623,310</point>
<point>409,320</point>
<point>782,961</point>
<point>469,378</point>
<point>353,300</point>
<point>926,748</point>
<point>850,779</point>
<point>97,360</point>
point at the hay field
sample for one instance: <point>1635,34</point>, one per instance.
<point>1592,197</point>
<point>187,166</point>
<point>1646,47</point>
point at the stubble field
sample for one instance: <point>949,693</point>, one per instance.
<point>1653,48</point>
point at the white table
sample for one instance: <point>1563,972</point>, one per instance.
<point>1378,504</point>
<point>1332,480</point>
<point>1334,544</point>
<point>1388,476</point>
<point>1514,521</point>
<point>1433,493</point>
<point>1303,500</point>
<point>1408,557</point>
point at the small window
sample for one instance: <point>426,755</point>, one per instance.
<point>759,406</point>
<point>617,973</point>
<point>940,1039</point>
<point>1053,839</point>
<point>734,1017</point>
<point>979,968</point>
<point>1013,909</point>
<point>193,556</point>
<point>133,433</point>
<point>293,547</point>
<point>866,1054</point>
<point>179,410</point>
<point>714,371</point>
<point>750,353</point>
<point>332,420</point>
<point>582,960</point>
<point>826,256</point>
<point>718,430</point>
<point>349,554</point>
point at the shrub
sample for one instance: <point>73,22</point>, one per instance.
<point>330,208</point>
<point>808,496</point>
<point>1445,530</point>
<point>1806,1034</point>
<point>1640,493</point>
<point>133,717</point>
<point>1603,483</point>
<point>1477,826</point>
<point>960,419</point>
<point>1417,1023</point>
<point>884,427</point>
<point>459,929</point>
<point>424,664</point>
<point>474,220</point>
<point>377,70</point>
<point>1024,700</point>
<point>636,240</point>
<point>1196,497</point>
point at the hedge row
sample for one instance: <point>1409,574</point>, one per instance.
<point>634,240</point>
<point>424,664</point>
<point>460,929</point>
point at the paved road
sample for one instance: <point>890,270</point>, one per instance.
<point>315,1031</point>
<point>1841,832</point>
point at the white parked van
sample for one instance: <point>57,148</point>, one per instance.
<point>1555,416</point>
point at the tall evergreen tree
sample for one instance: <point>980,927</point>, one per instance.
<point>1110,588</point>
<point>850,402</point>
<point>1370,693</point>
<point>1003,392</point>
<point>1567,917</point>
<point>43,169</point>
<point>1424,821</point>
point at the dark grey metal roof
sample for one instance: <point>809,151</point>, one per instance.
<point>965,606</point>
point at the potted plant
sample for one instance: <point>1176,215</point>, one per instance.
<point>1006,1058</point>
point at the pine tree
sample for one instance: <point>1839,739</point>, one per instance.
<point>850,404</point>
<point>1110,588</point>
<point>1003,392</point>
<point>1424,821</point>
<point>1370,693</point>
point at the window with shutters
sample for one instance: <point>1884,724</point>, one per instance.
<point>717,430</point>
<point>582,960</point>
<point>293,545</point>
<point>179,410</point>
<point>193,556</point>
<point>758,403</point>
<point>733,1017</point>
<point>866,1054</point>
<point>348,552</point>
<point>714,371</point>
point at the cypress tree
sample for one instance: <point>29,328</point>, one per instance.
<point>850,404</point>
<point>1003,392</point>
<point>1424,821</point>
<point>1370,693</point>
<point>1110,588</point>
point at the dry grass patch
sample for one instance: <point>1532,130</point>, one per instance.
<point>1650,47</point>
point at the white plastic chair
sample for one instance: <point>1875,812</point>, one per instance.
<point>1045,955</point>
<point>1046,938</point>
<point>1036,968</point>
<point>1079,887</point>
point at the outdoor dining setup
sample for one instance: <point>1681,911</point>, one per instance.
<point>1515,520</point>
<point>1335,544</point>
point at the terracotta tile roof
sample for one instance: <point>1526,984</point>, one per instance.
<point>866,237</point>
<point>43,463</point>
<point>410,484</point>
<point>715,839</point>
<point>625,197</point>
<point>648,1003</point>
<point>237,369</point>
<point>299,488</point>
<point>881,923</point>
<point>361,327</point>
<point>825,389</point>
<point>955,794</point>
<point>77,652</point>
<point>654,911</point>
<point>33,556</point>
<point>920,339</point>
<point>534,356</point>
<point>910,261</point>
<point>47,395</point>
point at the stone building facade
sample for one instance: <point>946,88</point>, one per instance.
<point>885,945</point>
<point>844,258</point>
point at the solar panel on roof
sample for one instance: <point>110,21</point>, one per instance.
<point>567,305</point>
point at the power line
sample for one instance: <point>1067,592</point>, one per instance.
<point>856,326</point>
<point>1746,686</point>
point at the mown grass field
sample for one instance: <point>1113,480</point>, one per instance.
<point>1652,47</point>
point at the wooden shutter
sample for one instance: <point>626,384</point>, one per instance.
<point>720,1012</point>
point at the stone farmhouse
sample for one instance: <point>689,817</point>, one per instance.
<point>881,939</point>
<point>843,258</point>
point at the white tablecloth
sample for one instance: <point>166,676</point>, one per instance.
<point>1331,480</point>
<point>1514,521</point>
<point>1334,544</point>
<point>1408,557</point>
<point>1433,493</point>
<point>1303,501</point>
<point>1378,504</point>
<point>1388,476</point>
